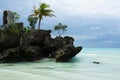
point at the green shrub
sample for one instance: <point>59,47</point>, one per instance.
<point>60,28</point>
<point>12,29</point>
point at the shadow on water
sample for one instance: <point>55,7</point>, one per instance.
<point>8,64</point>
<point>75,60</point>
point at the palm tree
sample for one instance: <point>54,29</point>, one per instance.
<point>43,10</point>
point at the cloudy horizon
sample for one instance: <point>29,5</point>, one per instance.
<point>93,23</point>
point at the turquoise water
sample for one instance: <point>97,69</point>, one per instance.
<point>79,68</point>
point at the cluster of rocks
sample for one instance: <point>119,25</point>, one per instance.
<point>36,44</point>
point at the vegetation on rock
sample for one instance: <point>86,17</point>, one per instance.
<point>32,21</point>
<point>12,29</point>
<point>60,28</point>
<point>43,10</point>
<point>16,16</point>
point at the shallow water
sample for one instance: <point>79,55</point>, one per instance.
<point>79,68</point>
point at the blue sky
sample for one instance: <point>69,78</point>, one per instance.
<point>93,23</point>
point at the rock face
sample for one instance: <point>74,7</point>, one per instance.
<point>36,44</point>
<point>8,17</point>
<point>65,53</point>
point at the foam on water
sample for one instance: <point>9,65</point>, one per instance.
<point>79,68</point>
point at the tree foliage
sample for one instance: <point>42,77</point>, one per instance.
<point>32,21</point>
<point>43,10</point>
<point>60,28</point>
<point>16,16</point>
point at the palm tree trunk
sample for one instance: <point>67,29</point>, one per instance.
<point>39,23</point>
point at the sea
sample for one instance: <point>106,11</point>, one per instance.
<point>80,67</point>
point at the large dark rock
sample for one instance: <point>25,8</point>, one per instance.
<point>19,44</point>
<point>36,44</point>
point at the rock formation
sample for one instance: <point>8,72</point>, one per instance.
<point>8,17</point>
<point>36,44</point>
<point>18,43</point>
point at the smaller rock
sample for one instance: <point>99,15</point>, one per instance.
<point>95,62</point>
<point>65,53</point>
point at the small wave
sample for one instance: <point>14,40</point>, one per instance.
<point>89,54</point>
<point>44,68</point>
<point>9,64</point>
<point>17,75</point>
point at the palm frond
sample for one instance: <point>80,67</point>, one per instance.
<point>44,5</point>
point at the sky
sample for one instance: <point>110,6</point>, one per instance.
<point>93,23</point>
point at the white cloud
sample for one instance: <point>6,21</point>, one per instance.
<point>79,37</point>
<point>82,37</point>
<point>95,28</point>
<point>71,7</point>
<point>86,7</point>
<point>84,14</point>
